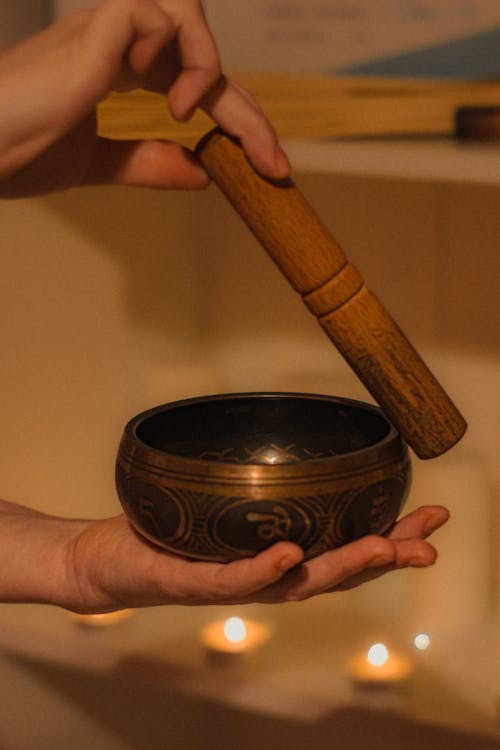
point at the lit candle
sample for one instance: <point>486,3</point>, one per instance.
<point>234,636</point>
<point>422,641</point>
<point>102,620</point>
<point>379,666</point>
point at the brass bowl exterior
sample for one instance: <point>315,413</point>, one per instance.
<point>217,511</point>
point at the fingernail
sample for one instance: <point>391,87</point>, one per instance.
<point>381,560</point>
<point>281,161</point>
<point>418,562</point>
<point>201,171</point>
<point>433,524</point>
<point>288,562</point>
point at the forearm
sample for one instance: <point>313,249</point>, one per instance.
<point>35,564</point>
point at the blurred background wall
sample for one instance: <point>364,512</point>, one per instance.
<point>114,300</point>
<point>20,19</point>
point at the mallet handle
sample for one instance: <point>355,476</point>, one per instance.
<point>333,290</point>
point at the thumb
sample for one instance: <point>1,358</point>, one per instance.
<point>236,581</point>
<point>151,164</point>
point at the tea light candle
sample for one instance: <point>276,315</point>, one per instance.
<point>421,641</point>
<point>234,636</point>
<point>102,620</point>
<point>379,666</point>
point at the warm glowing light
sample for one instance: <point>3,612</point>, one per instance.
<point>377,654</point>
<point>422,641</point>
<point>235,630</point>
<point>101,620</point>
<point>234,636</point>
<point>379,666</point>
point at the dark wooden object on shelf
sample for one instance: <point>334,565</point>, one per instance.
<point>478,123</point>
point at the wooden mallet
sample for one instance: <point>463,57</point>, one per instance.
<point>333,290</point>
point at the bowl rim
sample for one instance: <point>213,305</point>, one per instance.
<point>384,450</point>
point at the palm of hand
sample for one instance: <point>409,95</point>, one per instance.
<point>82,157</point>
<point>63,165</point>
<point>114,567</point>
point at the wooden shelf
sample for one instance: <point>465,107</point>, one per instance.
<point>441,160</point>
<point>378,127</point>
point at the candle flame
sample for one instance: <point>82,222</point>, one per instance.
<point>422,641</point>
<point>235,630</point>
<point>377,654</point>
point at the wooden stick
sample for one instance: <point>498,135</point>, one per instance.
<point>334,292</point>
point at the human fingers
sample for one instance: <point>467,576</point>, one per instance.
<point>201,83</point>
<point>414,553</point>
<point>421,523</point>
<point>238,114</point>
<point>212,583</point>
<point>87,161</point>
<point>54,79</point>
<point>190,72</point>
<point>122,40</point>
<point>350,566</point>
<point>152,164</point>
<point>328,570</point>
<point>199,66</point>
<point>411,551</point>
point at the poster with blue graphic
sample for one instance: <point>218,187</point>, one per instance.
<point>419,38</point>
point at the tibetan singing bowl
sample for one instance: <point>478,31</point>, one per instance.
<point>224,477</point>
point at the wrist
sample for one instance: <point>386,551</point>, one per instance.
<point>35,559</point>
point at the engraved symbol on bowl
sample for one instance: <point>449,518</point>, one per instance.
<point>247,525</point>
<point>274,526</point>
<point>370,510</point>
<point>163,515</point>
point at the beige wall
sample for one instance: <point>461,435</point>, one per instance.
<point>115,300</point>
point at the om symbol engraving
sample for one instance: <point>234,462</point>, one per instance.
<point>248,526</point>
<point>272,525</point>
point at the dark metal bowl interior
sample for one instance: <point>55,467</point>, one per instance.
<point>263,428</point>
